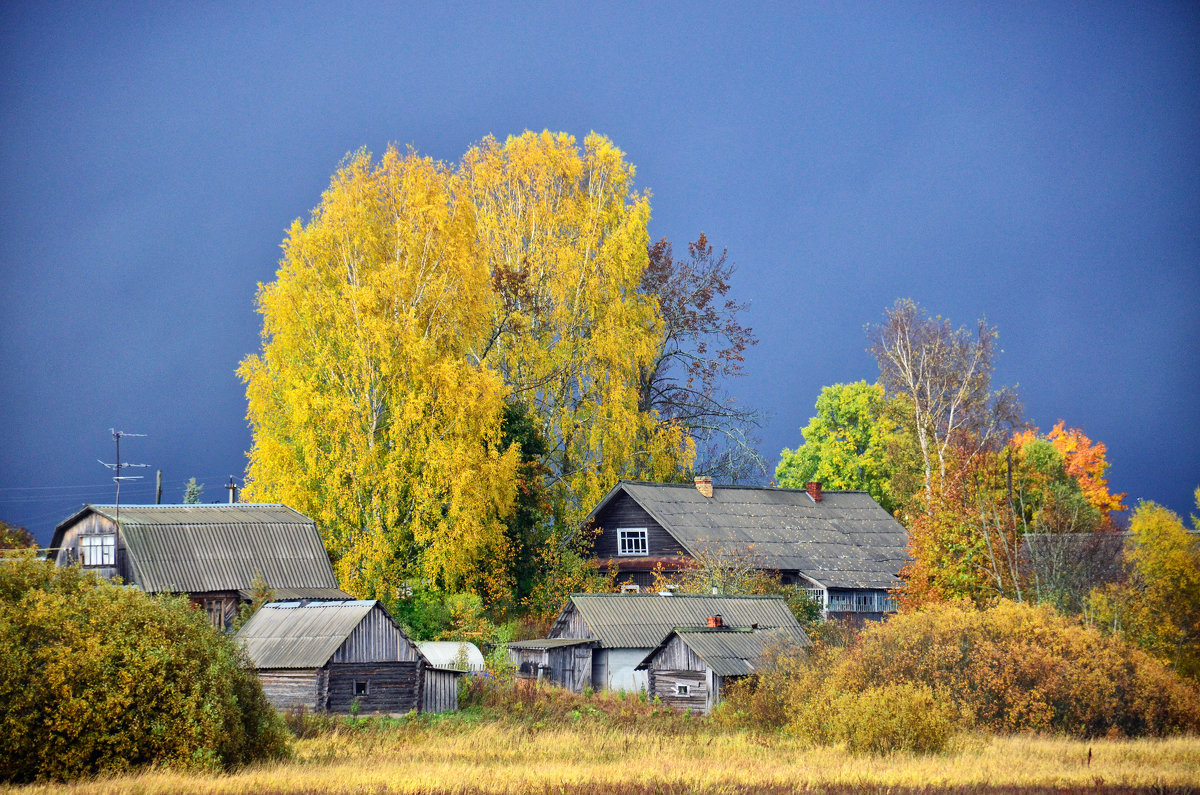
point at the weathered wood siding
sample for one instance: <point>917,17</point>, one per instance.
<point>391,686</point>
<point>677,656</point>
<point>95,524</point>
<point>293,689</point>
<point>665,683</point>
<point>570,625</point>
<point>375,639</point>
<point>624,512</point>
<point>571,667</point>
<point>440,691</point>
<point>527,661</point>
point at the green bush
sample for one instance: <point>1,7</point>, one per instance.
<point>100,678</point>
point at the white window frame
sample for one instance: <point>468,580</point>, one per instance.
<point>103,546</point>
<point>627,538</point>
<point>682,690</point>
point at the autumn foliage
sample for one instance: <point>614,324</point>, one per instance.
<point>100,678</point>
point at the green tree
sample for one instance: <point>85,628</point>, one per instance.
<point>192,491</point>
<point>845,444</point>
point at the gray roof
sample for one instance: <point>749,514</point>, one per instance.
<point>730,652</point>
<point>550,643</point>
<point>200,548</point>
<point>844,541</point>
<point>641,621</point>
<point>301,634</point>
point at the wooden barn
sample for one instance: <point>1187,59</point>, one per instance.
<point>841,546</point>
<point>327,656</point>
<point>212,553</point>
<point>691,667</point>
<point>599,640</point>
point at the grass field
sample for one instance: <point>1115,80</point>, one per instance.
<point>466,754</point>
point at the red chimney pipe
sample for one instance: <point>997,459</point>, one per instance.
<point>715,622</point>
<point>813,487</point>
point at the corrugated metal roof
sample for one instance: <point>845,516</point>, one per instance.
<point>199,548</point>
<point>844,541</point>
<point>448,654</point>
<point>300,634</point>
<point>736,652</point>
<point>293,594</point>
<point>549,643</point>
<point>638,621</point>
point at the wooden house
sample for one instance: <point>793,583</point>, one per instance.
<point>690,669</point>
<point>599,640</point>
<point>212,553</point>
<point>329,656</point>
<point>839,545</point>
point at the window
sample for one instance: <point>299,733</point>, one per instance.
<point>360,688</point>
<point>632,542</point>
<point>683,690</point>
<point>630,587</point>
<point>98,550</point>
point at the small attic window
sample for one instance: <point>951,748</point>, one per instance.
<point>632,541</point>
<point>98,550</point>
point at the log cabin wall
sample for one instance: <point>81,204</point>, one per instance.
<point>390,687</point>
<point>624,512</point>
<point>666,684</point>
<point>290,689</point>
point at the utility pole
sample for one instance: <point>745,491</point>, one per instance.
<point>232,489</point>
<point>117,478</point>
<point>158,488</point>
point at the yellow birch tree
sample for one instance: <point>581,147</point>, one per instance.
<point>365,412</point>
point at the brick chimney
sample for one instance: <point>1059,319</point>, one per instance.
<point>704,485</point>
<point>715,622</point>
<point>813,487</point>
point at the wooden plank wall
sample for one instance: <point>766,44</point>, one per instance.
<point>391,686</point>
<point>624,512</point>
<point>440,693</point>
<point>572,626</point>
<point>571,667</point>
<point>291,689</point>
<point>375,639</point>
<point>676,656</point>
<point>95,524</point>
<point>663,684</point>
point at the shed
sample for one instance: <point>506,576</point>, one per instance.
<point>611,634</point>
<point>326,656</point>
<point>691,667</point>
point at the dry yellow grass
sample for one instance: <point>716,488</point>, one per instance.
<point>501,758</point>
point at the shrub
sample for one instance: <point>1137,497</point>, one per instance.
<point>100,678</point>
<point>880,720</point>
<point>1024,668</point>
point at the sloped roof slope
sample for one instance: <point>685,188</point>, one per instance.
<point>301,634</point>
<point>729,652</point>
<point>633,621</point>
<point>200,548</point>
<point>844,541</point>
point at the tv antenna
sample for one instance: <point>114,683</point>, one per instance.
<point>118,478</point>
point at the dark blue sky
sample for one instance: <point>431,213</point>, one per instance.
<point>1039,164</point>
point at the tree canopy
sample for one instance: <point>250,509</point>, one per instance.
<point>845,444</point>
<point>421,302</point>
